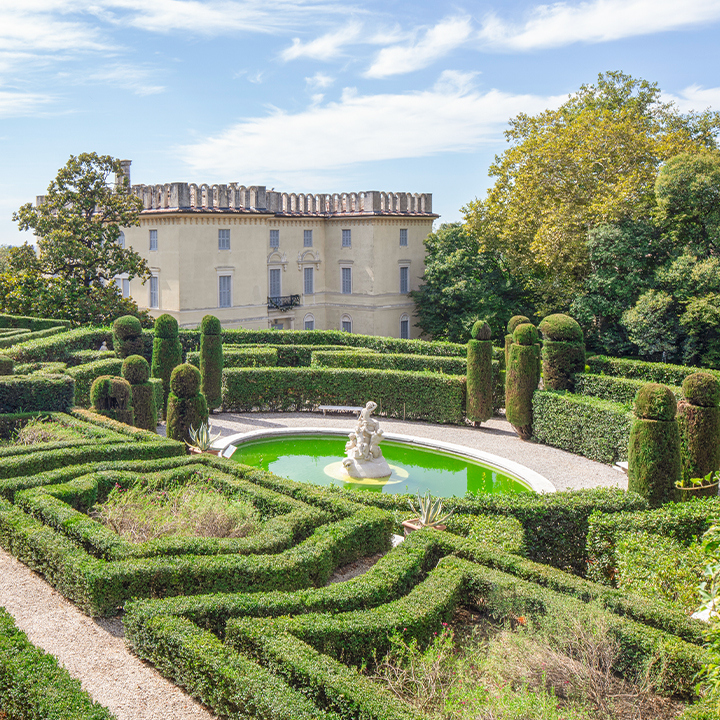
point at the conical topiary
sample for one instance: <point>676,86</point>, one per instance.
<point>521,379</point>
<point>654,449</point>
<point>479,374</point>
<point>112,397</point>
<point>136,370</point>
<point>698,417</point>
<point>127,336</point>
<point>167,351</point>
<point>186,405</point>
<point>563,351</point>
<point>211,361</point>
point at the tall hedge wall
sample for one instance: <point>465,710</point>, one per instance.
<point>664,373</point>
<point>416,396</point>
<point>615,389</point>
<point>390,361</point>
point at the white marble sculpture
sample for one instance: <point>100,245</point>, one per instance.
<point>364,456</point>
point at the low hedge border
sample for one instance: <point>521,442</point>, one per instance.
<point>33,685</point>
<point>664,373</point>
<point>58,348</point>
<point>99,587</point>
<point>241,357</point>
<point>409,395</point>
<point>597,429</point>
<point>615,389</point>
<point>31,323</point>
<point>301,355</point>
<point>47,368</point>
<point>82,357</point>
<point>30,393</point>
<point>10,340</point>
<point>128,430</point>
<point>388,361</point>
<point>85,375</point>
<point>685,522</point>
<point>63,507</point>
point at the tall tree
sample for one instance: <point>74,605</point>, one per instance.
<point>461,285</point>
<point>592,161</point>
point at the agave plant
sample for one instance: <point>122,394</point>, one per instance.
<point>201,438</point>
<point>429,511</point>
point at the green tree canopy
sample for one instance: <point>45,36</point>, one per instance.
<point>461,285</point>
<point>593,161</point>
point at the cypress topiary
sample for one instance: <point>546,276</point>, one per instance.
<point>127,336</point>
<point>479,374</point>
<point>698,417</point>
<point>136,370</point>
<point>563,351</point>
<point>186,406</point>
<point>521,379</point>
<point>167,352</point>
<point>112,397</point>
<point>513,322</point>
<point>654,449</point>
<point>7,365</point>
<point>211,361</point>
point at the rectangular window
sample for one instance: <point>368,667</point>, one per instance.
<point>309,280</point>
<point>403,237</point>
<point>310,324</point>
<point>275,283</point>
<point>346,238</point>
<point>274,238</point>
<point>307,238</point>
<point>223,239</point>
<point>224,291</point>
<point>347,325</point>
<point>153,239</point>
<point>405,329</point>
<point>404,280</point>
<point>346,281</point>
<point>154,292</point>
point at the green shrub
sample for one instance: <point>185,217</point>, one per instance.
<point>654,466</point>
<point>641,370</point>
<point>521,379</point>
<point>234,356</point>
<point>10,340</point>
<point>82,357</point>
<point>698,419</point>
<point>136,370</point>
<point>501,530</point>
<point>31,323</point>
<point>167,352</point>
<point>85,375</point>
<point>112,397</point>
<point>615,389</point>
<point>211,361</point>
<point>388,361</point>
<point>21,393</point>
<point>60,347</point>
<point>33,684</point>
<point>186,406</point>
<point>479,375</point>
<point>597,429</point>
<point>419,396</point>
<point>7,365</point>
<point>127,336</point>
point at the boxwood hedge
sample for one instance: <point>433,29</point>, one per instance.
<point>615,389</point>
<point>30,393</point>
<point>85,375</point>
<point>664,373</point>
<point>9,340</point>
<point>58,348</point>
<point>31,323</point>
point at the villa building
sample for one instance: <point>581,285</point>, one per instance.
<point>258,258</point>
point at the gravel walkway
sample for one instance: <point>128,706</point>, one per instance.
<point>94,650</point>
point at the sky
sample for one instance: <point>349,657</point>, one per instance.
<point>317,95</point>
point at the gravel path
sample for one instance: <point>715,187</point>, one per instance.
<point>94,650</point>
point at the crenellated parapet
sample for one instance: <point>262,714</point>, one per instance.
<point>190,197</point>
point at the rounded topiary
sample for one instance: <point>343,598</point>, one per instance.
<point>167,352</point>
<point>136,369</point>
<point>481,331</point>
<point>186,406</point>
<point>210,325</point>
<point>702,388</point>
<point>7,365</point>
<point>654,401</point>
<point>112,397</point>
<point>211,361</point>
<point>521,380</point>
<point>479,374</point>
<point>654,465</point>
<point>698,418</point>
<point>127,336</point>
<point>516,320</point>
<point>561,328</point>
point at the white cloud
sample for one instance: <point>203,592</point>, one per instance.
<point>596,21</point>
<point>437,42</point>
<point>319,81</point>
<point>451,117</point>
<point>19,104</point>
<point>129,77</point>
<point>324,47</point>
<point>696,98</point>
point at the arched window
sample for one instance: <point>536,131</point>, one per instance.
<point>405,327</point>
<point>309,322</point>
<point>346,323</point>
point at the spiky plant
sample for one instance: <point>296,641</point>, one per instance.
<point>201,438</point>
<point>429,511</point>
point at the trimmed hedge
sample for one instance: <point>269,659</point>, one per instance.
<point>417,396</point>
<point>241,357</point>
<point>38,368</point>
<point>85,376</point>
<point>60,347</point>
<point>33,685</point>
<point>31,323</point>
<point>597,429</point>
<point>30,393</point>
<point>664,373</point>
<point>9,340</point>
<point>684,522</point>
<point>389,361</point>
<point>81,357</point>
<point>615,389</point>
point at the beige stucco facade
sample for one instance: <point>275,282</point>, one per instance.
<point>238,253</point>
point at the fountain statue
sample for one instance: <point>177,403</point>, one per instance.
<point>364,456</point>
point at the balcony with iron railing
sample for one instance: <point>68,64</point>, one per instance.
<point>283,302</point>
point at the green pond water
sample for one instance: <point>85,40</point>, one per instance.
<point>318,460</point>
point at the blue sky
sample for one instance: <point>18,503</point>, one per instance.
<point>316,95</point>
